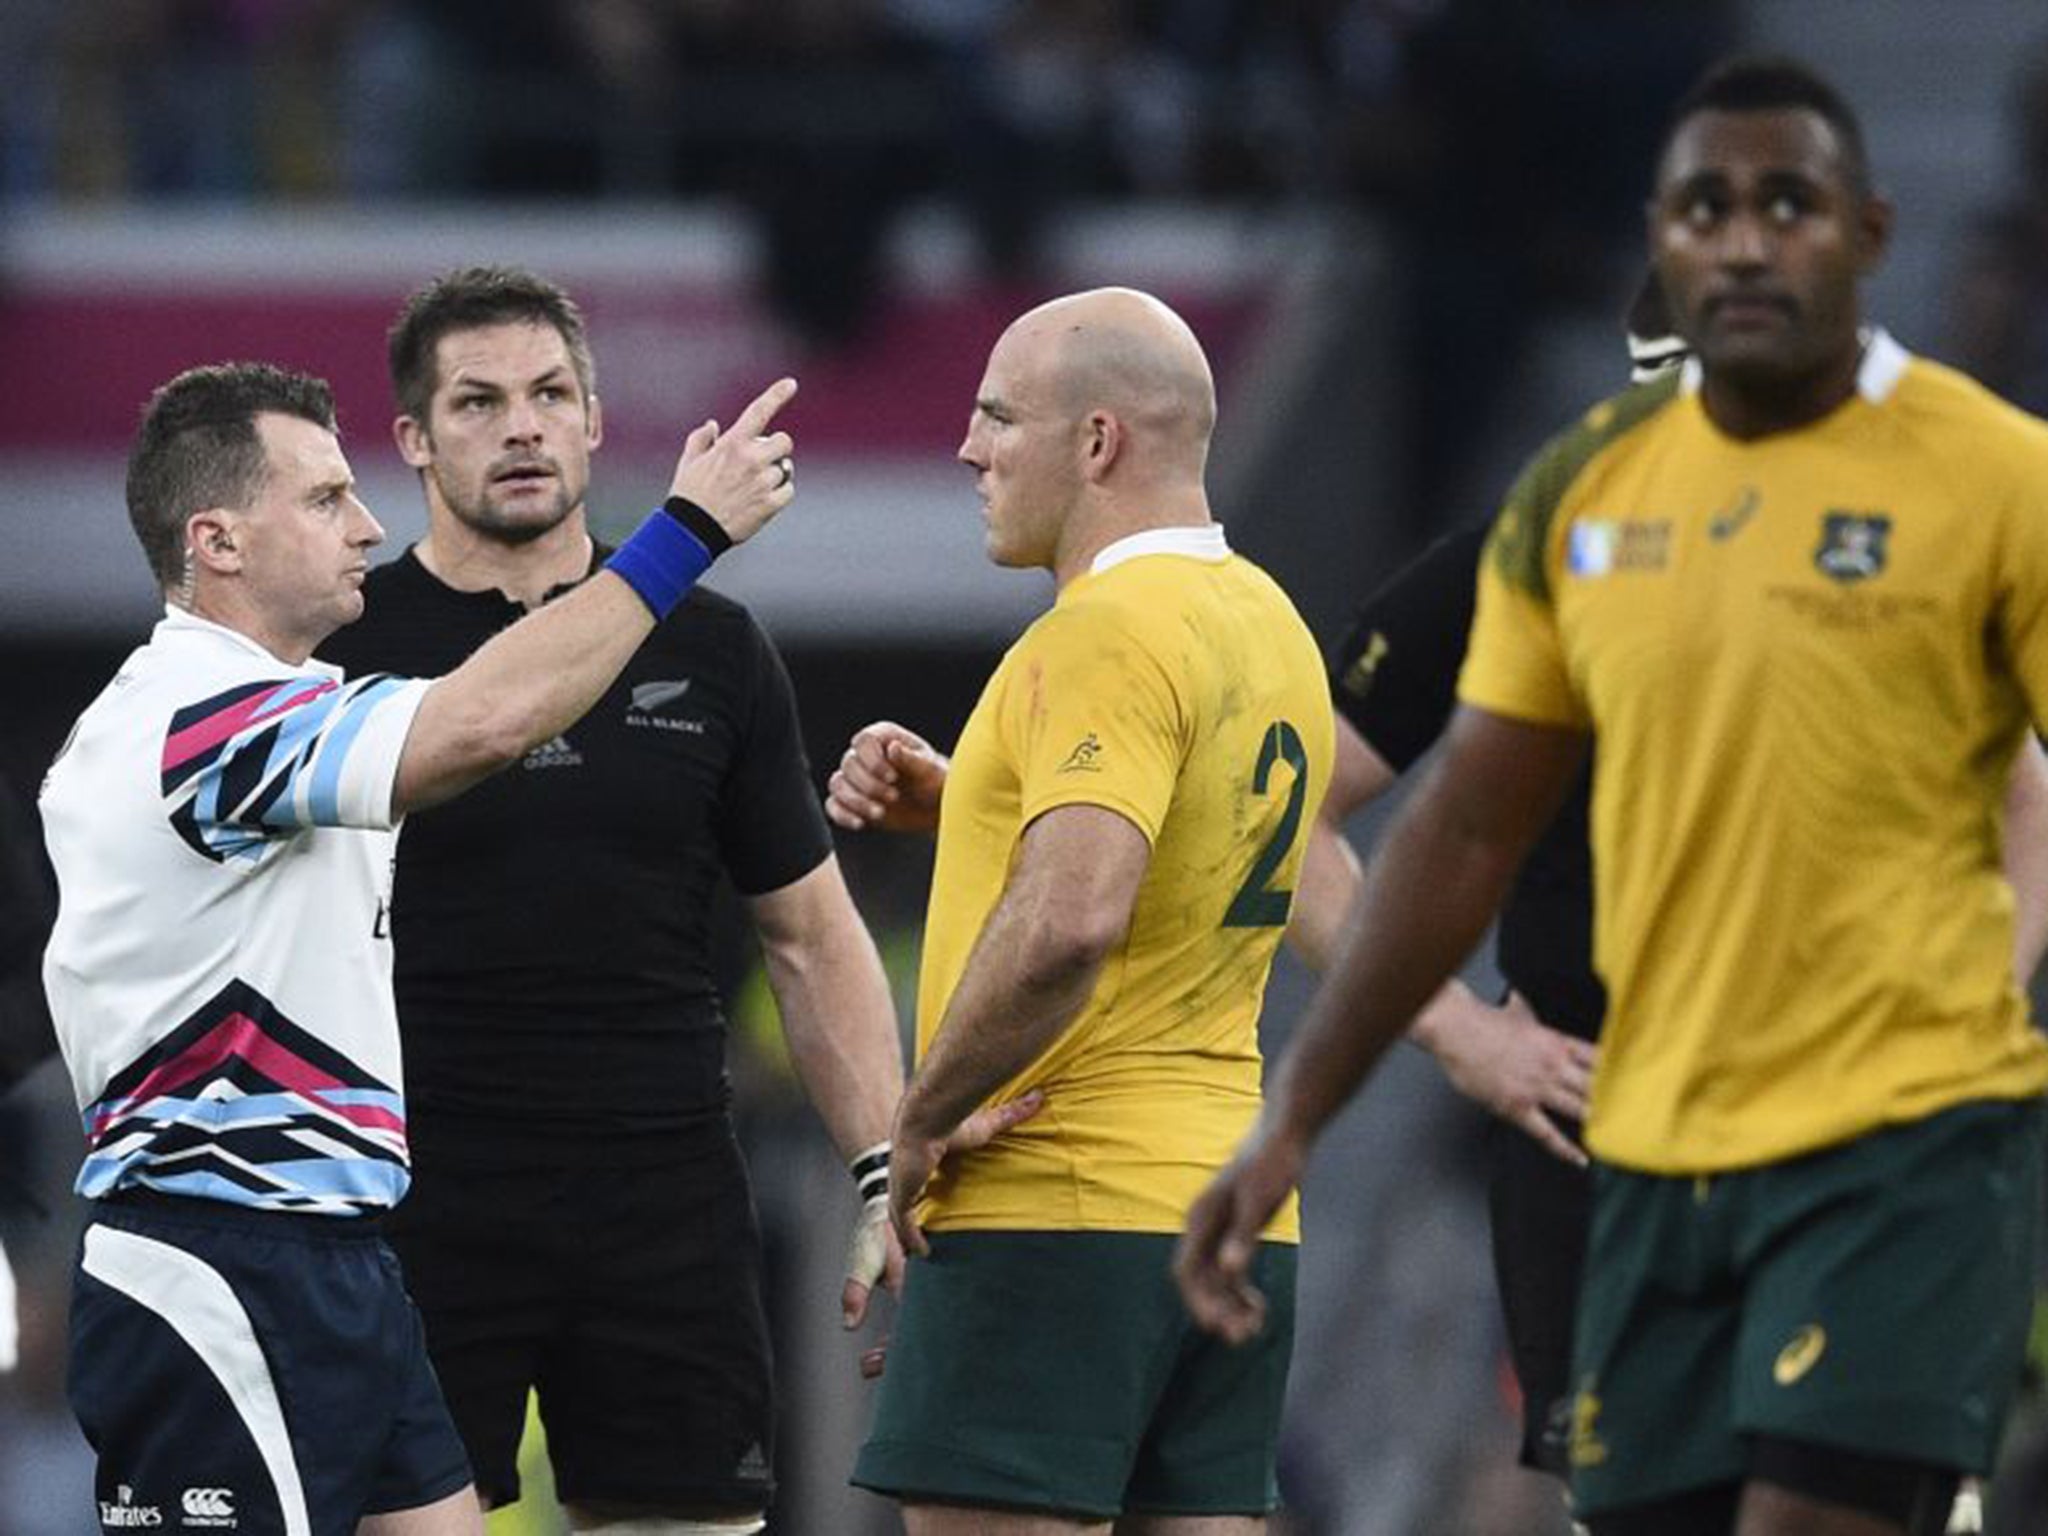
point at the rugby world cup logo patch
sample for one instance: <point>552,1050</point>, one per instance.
<point>1852,545</point>
<point>1599,546</point>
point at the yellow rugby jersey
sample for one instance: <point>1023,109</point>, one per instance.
<point>1809,661</point>
<point>1176,685</point>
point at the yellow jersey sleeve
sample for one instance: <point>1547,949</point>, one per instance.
<point>1515,660</point>
<point>1514,665</point>
<point>1093,718</point>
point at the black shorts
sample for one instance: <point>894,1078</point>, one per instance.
<point>251,1372</point>
<point>628,1299</point>
<point>1541,1208</point>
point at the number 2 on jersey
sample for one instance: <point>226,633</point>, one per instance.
<point>1257,904</point>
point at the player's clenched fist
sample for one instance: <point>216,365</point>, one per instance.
<point>889,778</point>
<point>742,477</point>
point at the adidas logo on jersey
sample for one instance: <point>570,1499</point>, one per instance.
<point>555,753</point>
<point>753,1467</point>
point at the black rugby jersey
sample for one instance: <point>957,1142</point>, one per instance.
<point>1395,678</point>
<point>553,926</point>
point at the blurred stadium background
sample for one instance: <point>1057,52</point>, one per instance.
<point>1405,228</point>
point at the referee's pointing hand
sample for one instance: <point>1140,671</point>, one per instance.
<point>739,477</point>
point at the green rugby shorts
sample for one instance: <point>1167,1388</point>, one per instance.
<point>1059,1372</point>
<point>1873,1296</point>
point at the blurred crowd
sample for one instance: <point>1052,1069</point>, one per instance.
<point>1502,138</point>
<point>241,98</point>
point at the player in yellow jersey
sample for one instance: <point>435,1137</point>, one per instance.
<point>1801,595</point>
<point>1119,833</point>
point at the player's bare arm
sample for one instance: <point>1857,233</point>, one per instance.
<point>2026,856</point>
<point>1066,908</point>
<point>1435,884</point>
<point>1504,1058</point>
<point>840,1022</point>
<point>539,676</point>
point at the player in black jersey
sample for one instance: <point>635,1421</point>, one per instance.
<point>580,1221</point>
<point>1528,1058</point>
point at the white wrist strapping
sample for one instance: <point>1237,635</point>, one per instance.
<point>870,1170</point>
<point>867,1254</point>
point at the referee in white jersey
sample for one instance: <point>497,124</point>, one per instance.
<point>243,1354</point>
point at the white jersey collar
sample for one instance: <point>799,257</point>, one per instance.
<point>1204,543</point>
<point>1884,364</point>
<point>176,618</point>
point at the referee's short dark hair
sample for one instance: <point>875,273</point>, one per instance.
<point>1763,82</point>
<point>464,300</point>
<point>197,447</point>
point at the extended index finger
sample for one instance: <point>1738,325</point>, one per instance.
<point>762,408</point>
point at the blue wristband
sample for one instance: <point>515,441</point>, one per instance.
<point>661,561</point>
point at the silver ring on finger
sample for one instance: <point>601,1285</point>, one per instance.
<point>787,470</point>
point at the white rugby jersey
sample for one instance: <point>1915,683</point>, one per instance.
<point>220,971</point>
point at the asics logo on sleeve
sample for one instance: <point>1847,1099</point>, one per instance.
<point>1731,519</point>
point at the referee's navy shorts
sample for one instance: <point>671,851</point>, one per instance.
<point>259,1373</point>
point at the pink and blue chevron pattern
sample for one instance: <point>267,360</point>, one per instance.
<point>239,1104</point>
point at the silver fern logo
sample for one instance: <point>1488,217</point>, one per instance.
<point>648,697</point>
<point>648,709</point>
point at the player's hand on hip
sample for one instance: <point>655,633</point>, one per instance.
<point>1517,1066</point>
<point>911,1167</point>
<point>890,778</point>
<point>874,1255</point>
<point>1212,1264</point>
<point>917,1154</point>
<point>745,476</point>
<point>991,1120</point>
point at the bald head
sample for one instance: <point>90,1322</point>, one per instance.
<point>1092,423</point>
<point>1125,352</point>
